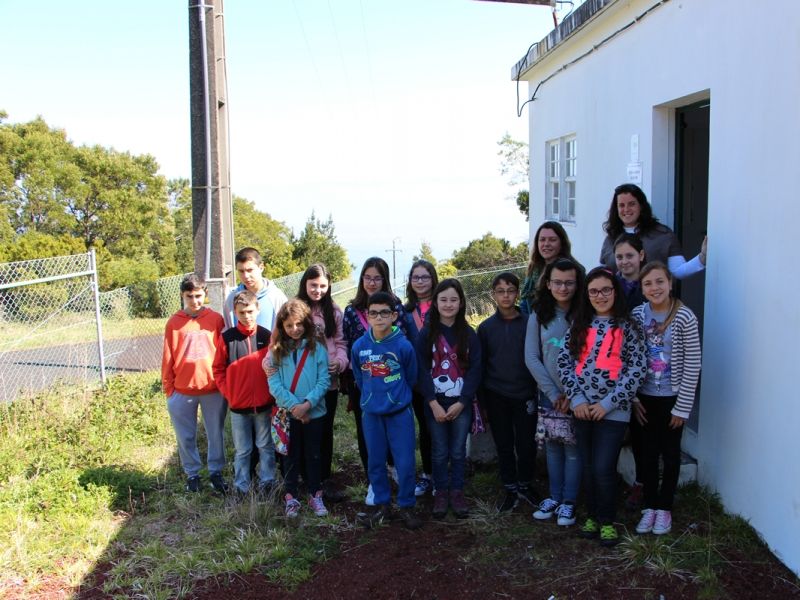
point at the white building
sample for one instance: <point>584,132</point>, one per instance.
<point>698,101</point>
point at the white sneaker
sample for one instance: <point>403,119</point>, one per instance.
<point>647,521</point>
<point>369,500</point>
<point>566,515</point>
<point>547,507</point>
<point>663,522</point>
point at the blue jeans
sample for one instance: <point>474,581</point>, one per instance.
<point>393,432</point>
<point>182,410</point>
<point>563,471</point>
<point>598,444</point>
<point>245,427</point>
<point>449,447</point>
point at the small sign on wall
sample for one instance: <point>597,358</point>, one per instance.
<point>635,173</point>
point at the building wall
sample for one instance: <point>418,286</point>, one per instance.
<point>745,60</point>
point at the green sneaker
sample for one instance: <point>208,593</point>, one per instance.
<point>608,536</point>
<point>590,529</point>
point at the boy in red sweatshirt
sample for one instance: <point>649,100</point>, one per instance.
<point>240,378</point>
<point>190,341</point>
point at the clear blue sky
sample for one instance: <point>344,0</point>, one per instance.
<point>383,114</point>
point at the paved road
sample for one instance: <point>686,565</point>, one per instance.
<point>39,368</point>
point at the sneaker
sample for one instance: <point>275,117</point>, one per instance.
<point>546,510</point>
<point>369,499</point>
<point>424,485</point>
<point>375,516</point>
<point>193,484</point>
<point>566,514</point>
<point>663,523</point>
<point>647,521</point>
<point>393,474</point>
<point>218,483</point>
<point>529,495</point>
<point>509,503</point>
<point>292,506</point>
<point>317,505</point>
<point>459,504</point>
<point>440,504</point>
<point>635,497</point>
<point>410,519</point>
<point>590,529</point>
<point>608,536</point>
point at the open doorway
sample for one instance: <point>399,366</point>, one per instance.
<point>691,204</point>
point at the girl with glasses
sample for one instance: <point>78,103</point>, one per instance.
<point>422,280</point>
<point>560,294</point>
<point>601,366</point>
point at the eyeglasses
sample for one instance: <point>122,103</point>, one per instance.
<point>557,283</point>
<point>368,279</point>
<point>604,292</point>
<point>420,278</point>
<point>504,291</point>
<point>383,314</point>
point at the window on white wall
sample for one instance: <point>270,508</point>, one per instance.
<point>562,177</point>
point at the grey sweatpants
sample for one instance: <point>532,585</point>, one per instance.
<point>183,413</point>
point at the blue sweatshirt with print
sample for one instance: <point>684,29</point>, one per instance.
<point>385,371</point>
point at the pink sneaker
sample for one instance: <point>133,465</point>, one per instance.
<point>663,522</point>
<point>647,521</point>
<point>317,505</point>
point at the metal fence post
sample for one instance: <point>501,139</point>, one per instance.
<point>98,319</point>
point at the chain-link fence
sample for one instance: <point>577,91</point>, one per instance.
<point>48,323</point>
<point>477,286</point>
<point>49,312</point>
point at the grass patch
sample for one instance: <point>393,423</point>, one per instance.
<point>92,476</point>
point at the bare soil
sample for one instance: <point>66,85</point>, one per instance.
<point>508,556</point>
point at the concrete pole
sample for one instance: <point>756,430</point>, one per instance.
<point>212,213</point>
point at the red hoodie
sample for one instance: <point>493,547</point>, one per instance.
<point>238,371</point>
<point>189,348</point>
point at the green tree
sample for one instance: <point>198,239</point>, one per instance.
<point>489,251</point>
<point>514,162</point>
<point>179,202</point>
<point>271,238</point>
<point>317,243</point>
<point>425,253</point>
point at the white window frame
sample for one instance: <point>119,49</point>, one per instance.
<point>561,177</point>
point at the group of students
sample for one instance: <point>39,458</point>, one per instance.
<point>567,367</point>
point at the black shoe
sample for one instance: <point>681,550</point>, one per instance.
<point>218,483</point>
<point>193,484</point>
<point>376,516</point>
<point>267,490</point>
<point>529,495</point>
<point>410,519</point>
<point>509,503</point>
<point>331,494</point>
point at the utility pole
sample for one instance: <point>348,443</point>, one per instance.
<point>212,213</point>
<point>394,252</point>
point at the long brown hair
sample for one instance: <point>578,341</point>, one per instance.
<point>281,344</point>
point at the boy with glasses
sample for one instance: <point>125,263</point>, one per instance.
<point>384,367</point>
<point>508,393</point>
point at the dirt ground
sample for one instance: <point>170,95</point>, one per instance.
<point>506,556</point>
